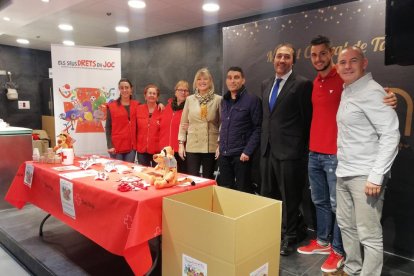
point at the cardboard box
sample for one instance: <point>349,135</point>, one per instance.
<point>220,231</point>
<point>48,124</point>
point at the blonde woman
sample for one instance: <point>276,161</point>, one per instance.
<point>199,127</point>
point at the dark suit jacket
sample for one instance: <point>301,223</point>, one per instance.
<point>285,130</point>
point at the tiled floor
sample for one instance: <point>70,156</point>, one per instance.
<point>63,251</point>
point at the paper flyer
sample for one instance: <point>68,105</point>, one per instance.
<point>193,267</point>
<point>66,197</point>
<point>28,175</point>
<point>79,174</point>
<point>261,271</point>
<point>66,168</point>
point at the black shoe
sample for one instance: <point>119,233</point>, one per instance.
<point>286,248</point>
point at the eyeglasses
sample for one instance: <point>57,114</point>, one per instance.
<point>182,90</point>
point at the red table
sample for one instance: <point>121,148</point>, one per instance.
<point>120,222</point>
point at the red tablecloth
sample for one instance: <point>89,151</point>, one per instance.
<point>120,222</point>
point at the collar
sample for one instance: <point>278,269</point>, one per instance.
<point>331,74</point>
<point>242,90</point>
<point>284,77</point>
<point>359,83</point>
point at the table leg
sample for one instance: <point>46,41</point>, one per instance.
<point>156,258</point>
<point>41,225</point>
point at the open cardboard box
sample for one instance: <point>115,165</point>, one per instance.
<point>220,231</point>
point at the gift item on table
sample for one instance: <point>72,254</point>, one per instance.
<point>122,169</point>
<point>131,183</point>
<point>110,166</point>
<point>68,156</point>
<point>102,176</point>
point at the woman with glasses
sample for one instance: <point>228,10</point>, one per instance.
<point>170,121</point>
<point>199,128</point>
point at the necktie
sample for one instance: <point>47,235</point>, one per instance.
<point>273,97</point>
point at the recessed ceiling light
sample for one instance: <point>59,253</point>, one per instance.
<point>22,41</point>
<point>6,18</point>
<point>68,42</point>
<point>122,29</point>
<point>65,27</point>
<point>137,4</point>
<point>46,1</point>
<point>211,7</point>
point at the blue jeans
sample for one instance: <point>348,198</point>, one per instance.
<point>127,156</point>
<point>322,179</point>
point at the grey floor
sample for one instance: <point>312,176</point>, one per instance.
<point>63,251</point>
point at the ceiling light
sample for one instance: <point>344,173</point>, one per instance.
<point>137,4</point>
<point>211,7</point>
<point>22,41</point>
<point>6,18</point>
<point>46,1</point>
<point>68,43</point>
<point>122,29</point>
<point>65,27</point>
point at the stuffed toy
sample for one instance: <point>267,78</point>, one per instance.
<point>64,141</point>
<point>165,173</point>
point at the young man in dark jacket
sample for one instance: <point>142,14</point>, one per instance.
<point>241,119</point>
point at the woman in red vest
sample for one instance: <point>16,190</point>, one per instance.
<point>119,129</point>
<point>170,121</point>
<point>148,126</point>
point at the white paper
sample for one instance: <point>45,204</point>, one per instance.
<point>66,197</point>
<point>79,174</point>
<point>192,266</point>
<point>66,168</point>
<point>28,175</point>
<point>261,271</point>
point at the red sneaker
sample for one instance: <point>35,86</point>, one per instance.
<point>315,248</point>
<point>333,263</point>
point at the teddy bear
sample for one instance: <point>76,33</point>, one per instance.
<point>165,172</point>
<point>64,141</point>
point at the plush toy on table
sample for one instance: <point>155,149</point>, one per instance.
<point>64,141</point>
<point>165,173</point>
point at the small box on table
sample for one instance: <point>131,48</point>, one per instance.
<point>220,231</point>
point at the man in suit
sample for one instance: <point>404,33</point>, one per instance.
<point>287,114</point>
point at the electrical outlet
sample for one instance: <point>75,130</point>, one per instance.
<point>24,104</point>
<point>3,73</point>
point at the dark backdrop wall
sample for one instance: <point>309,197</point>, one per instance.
<point>28,68</point>
<point>361,23</point>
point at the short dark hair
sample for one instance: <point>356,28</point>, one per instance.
<point>288,45</point>
<point>237,69</point>
<point>320,39</point>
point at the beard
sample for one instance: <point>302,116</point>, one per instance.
<point>324,68</point>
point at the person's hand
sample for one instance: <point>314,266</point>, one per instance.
<point>390,99</point>
<point>217,153</point>
<point>372,189</point>
<point>112,150</point>
<point>161,107</point>
<point>181,151</point>
<point>244,157</point>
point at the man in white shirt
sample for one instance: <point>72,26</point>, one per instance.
<point>368,138</point>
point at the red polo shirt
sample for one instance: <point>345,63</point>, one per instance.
<point>326,96</point>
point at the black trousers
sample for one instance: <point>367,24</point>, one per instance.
<point>235,174</point>
<point>285,180</point>
<point>195,160</point>
<point>145,159</point>
<point>181,164</point>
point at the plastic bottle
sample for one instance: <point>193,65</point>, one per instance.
<point>36,155</point>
